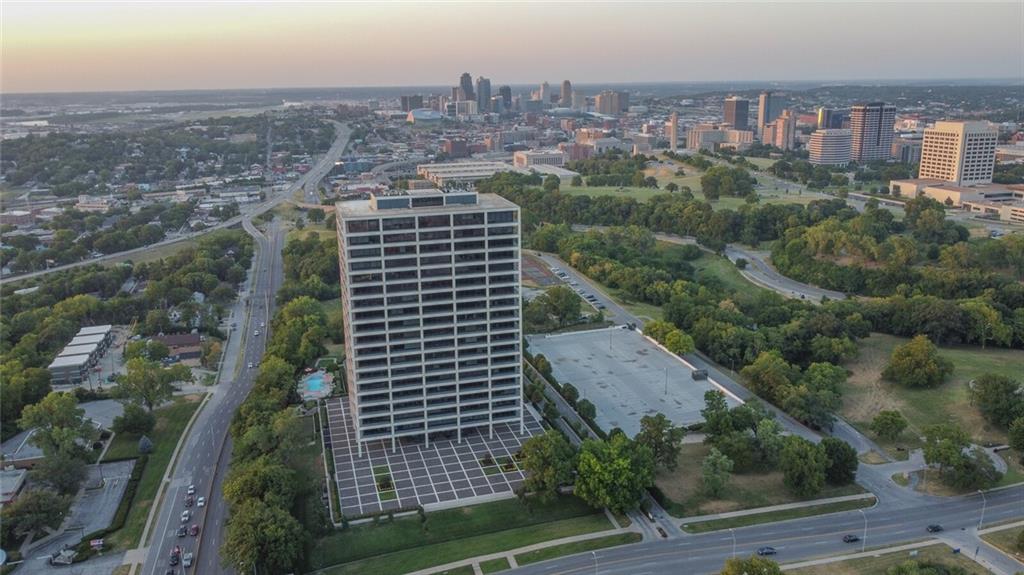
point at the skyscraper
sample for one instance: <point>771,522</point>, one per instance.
<point>960,152</point>
<point>466,83</point>
<point>766,109</point>
<point>872,127</point>
<point>830,147</point>
<point>433,344</point>
<point>483,94</point>
<point>736,111</point>
<point>831,118</point>
<point>545,93</point>
<point>411,102</point>
<point>607,102</point>
<point>565,99</point>
<point>506,96</point>
<point>673,131</point>
<point>785,130</point>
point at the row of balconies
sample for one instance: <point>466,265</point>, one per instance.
<point>437,425</point>
<point>438,373</point>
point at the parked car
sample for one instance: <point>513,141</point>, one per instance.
<point>850,539</point>
<point>766,550</point>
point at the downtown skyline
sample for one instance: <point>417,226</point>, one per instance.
<point>69,47</point>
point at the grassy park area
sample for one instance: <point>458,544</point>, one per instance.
<point>774,516</point>
<point>934,555</point>
<point>684,497</point>
<point>577,547</point>
<point>865,393</point>
<point>639,194</point>
<point>1006,541</point>
<point>170,423</point>
<point>408,544</point>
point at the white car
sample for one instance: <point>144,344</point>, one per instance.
<point>185,516</point>
<point>250,365</point>
<point>186,561</point>
<point>201,502</point>
<point>191,489</point>
<point>257,332</point>
<point>263,324</point>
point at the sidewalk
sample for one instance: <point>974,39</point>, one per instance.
<point>780,507</point>
<point>989,557</point>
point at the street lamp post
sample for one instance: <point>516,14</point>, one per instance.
<point>594,555</point>
<point>733,533</point>
<point>864,539</point>
<point>984,503</point>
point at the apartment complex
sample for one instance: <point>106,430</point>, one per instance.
<point>830,147</point>
<point>430,294</point>
<point>872,131</point>
<point>963,153</point>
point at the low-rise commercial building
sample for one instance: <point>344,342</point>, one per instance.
<point>444,175</point>
<point>69,369</point>
<point>528,158</point>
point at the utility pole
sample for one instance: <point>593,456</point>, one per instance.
<point>864,539</point>
<point>984,503</point>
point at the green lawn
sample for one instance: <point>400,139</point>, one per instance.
<point>865,393</point>
<point>1006,541</point>
<point>682,488</point>
<point>718,268</point>
<point>762,162</point>
<point>453,534</point>
<point>939,555</point>
<point>170,423</point>
<point>577,547</point>
<point>773,516</point>
<point>308,461</point>
<point>640,194</point>
<point>495,565</point>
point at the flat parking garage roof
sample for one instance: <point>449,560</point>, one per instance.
<point>445,473</point>
<point>625,376</point>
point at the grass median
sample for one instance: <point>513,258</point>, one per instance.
<point>407,544</point>
<point>495,565</point>
<point>171,421</point>
<point>577,547</point>
<point>940,556</point>
<point>774,516</point>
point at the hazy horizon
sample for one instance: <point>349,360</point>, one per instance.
<point>162,46</point>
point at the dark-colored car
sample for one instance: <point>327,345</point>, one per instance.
<point>934,528</point>
<point>193,531</point>
<point>850,539</point>
<point>763,551</point>
<point>174,560</point>
<point>182,531</point>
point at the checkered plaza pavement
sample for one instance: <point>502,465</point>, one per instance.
<point>442,473</point>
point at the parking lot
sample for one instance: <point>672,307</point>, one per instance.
<point>443,473</point>
<point>625,376</point>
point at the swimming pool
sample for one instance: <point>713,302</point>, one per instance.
<point>316,385</point>
<point>315,382</point>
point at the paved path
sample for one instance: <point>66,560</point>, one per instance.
<point>780,507</point>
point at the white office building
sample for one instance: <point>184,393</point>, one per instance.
<point>430,285</point>
<point>831,147</point>
<point>963,153</point>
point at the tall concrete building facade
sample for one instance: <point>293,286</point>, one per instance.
<point>767,109</point>
<point>673,131</point>
<point>960,152</point>
<point>831,118</point>
<point>483,94</point>
<point>830,147</point>
<point>430,284</point>
<point>466,83</point>
<point>872,131</point>
<point>736,111</point>
<point>412,102</point>
<point>506,96</point>
<point>565,98</point>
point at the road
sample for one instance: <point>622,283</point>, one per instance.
<point>795,540</point>
<point>205,456</point>
<point>315,174</point>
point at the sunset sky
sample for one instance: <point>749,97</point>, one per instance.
<point>92,46</point>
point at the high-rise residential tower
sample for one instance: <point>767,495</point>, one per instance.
<point>872,128</point>
<point>830,147</point>
<point>960,152</point>
<point>466,83</point>
<point>829,118</point>
<point>736,112</point>
<point>673,131</point>
<point>565,98</point>
<point>483,94</point>
<point>430,291</point>
<point>766,109</point>
<point>506,96</point>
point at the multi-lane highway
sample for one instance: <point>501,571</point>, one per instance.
<point>794,540</point>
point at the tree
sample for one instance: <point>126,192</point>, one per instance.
<point>944,444</point>
<point>662,438</point>
<point>917,363</point>
<point>147,383</point>
<point>803,466</point>
<point>671,187</point>
<point>842,461</point>
<point>261,534</point>
<point>145,445</point>
<point>562,303</point>
<point>61,471</point>
<point>315,215</point>
<point>614,473</point>
<point>1017,434</point>
<point>751,566</point>
<point>265,478</point>
<point>61,427</point>
<point>586,409</point>
<point>570,393</point>
<point>35,509</point>
<point>769,375</point>
<point>998,398</point>
<point>888,424</point>
<point>551,183</point>
<point>715,470</point>
<point>975,470</point>
<point>549,462</point>
<point>577,180</point>
<point>135,420</point>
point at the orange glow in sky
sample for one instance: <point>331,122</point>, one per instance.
<point>95,46</point>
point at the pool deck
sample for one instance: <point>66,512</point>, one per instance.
<point>326,386</point>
